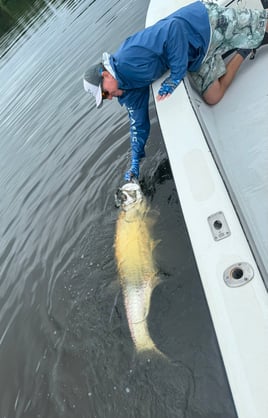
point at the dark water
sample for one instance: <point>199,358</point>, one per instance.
<point>62,354</point>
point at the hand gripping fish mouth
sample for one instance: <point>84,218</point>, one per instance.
<point>128,195</point>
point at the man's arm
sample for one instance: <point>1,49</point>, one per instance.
<point>139,130</point>
<point>177,56</point>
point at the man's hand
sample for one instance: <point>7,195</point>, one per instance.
<point>161,98</point>
<point>167,88</point>
<point>134,170</point>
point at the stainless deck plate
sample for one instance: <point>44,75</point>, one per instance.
<point>219,226</point>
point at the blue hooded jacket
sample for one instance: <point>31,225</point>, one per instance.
<point>177,43</point>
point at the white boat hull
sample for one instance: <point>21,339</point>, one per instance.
<point>240,313</point>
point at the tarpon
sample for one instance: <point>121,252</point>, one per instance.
<point>134,255</point>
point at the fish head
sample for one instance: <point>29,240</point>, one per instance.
<point>128,196</point>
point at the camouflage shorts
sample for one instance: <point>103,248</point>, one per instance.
<point>230,29</point>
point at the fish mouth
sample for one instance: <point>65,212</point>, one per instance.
<point>128,195</point>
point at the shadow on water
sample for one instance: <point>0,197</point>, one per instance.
<point>162,174</point>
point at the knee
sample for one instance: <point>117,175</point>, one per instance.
<point>212,99</point>
<point>214,93</point>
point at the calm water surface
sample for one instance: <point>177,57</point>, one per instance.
<point>62,352</point>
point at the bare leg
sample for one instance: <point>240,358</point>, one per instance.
<point>217,89</point>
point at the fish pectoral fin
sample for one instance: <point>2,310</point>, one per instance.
<point>155,243</point>
<point>114,290</point>
<point>114,308</point>
<point>152,217</point>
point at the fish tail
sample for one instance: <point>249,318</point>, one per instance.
<point>142,340</point>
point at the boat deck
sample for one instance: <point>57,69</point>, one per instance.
<point>237,132</point>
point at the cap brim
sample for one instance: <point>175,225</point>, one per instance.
<point>98,97</point>
<point>95,91</point>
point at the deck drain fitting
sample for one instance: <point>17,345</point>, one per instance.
<point>238,274</point>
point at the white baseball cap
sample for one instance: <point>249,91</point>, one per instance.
<point>92,83</point>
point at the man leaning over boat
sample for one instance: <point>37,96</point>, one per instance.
<point>192,40</point>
